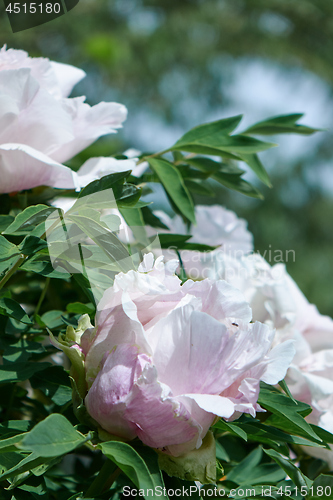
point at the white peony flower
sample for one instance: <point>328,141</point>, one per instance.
<point>40,128</point>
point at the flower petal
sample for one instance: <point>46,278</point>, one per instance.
<point>67,77</point>
<point>89,123</point>
<point>22,167</point>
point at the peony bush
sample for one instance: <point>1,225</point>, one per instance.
<point>188,362</point>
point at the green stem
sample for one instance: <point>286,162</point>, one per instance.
<point>106,476</point>
<point>12,270</point>
<point>153,156</point>
<point>42,296</point>
<point>182,273</point>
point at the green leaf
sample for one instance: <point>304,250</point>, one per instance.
<point>198,187</point>
<point>237,184</point>
<point>233,429</point>
<point>210,166</point>
<point>54,382</point>
<point>295,474</point>
<point>42,265</point>
<point>19,350</point>
<point>276,438</point>
<point>12,427</point>
<point>79,308</point>
<point>197,247</point>
<point>108,192</point>
<point>7,249</point>
<point>8,307</point>
<point>286,414</point>
<point>286,389</point>
<point>151,220</point>
<point>23,464</point>
<point>322,488</point>
<point>8,264</point>
<point>326,436</point>
<point>173,184</point>
<point>52,437</point>
<point>18,372</point>
<point>189,173</point>
<point>10,461</point>
<point>221,453</point>
<point>134,219</point>
<point>168,240</point>
<point>5,220</point>
<point>129,197</point>
<point>130,462</point>
<point>106,182</point>
<point>242,472</point>
<point>7,445</point>
<point>203,132</point>
<point>36,487</point>
<point>258,168</point>
<point>224,147</point>
<point>31,245</point>
<point>283,124</point>
<point>214,139</point>
<point>28,220</point>
<point>53,319</point>
<point>106,240</point>
<point>150,458</point>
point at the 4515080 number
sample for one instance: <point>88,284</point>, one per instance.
<point>33,8</point>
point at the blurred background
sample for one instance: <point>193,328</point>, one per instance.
<point>178,63</point>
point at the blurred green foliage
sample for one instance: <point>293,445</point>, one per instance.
<point>172,61</point>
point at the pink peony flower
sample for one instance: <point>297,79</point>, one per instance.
<point>165,359</point>
<point>40,127</point>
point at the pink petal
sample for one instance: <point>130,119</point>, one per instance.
<point>114,329</point>
<point>161,420</point>
<point>108,397</point>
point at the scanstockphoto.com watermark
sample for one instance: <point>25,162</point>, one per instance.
<point>25,14</point>
<point>220,492</point>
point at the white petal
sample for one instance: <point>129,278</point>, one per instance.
<point>67,77</point>
<point>217,405</point>
<point>280,358</point>
<point>22,167</point>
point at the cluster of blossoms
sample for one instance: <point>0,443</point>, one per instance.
<point>164,359</point>
<point>190,339</point>
<point>276,301</point>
